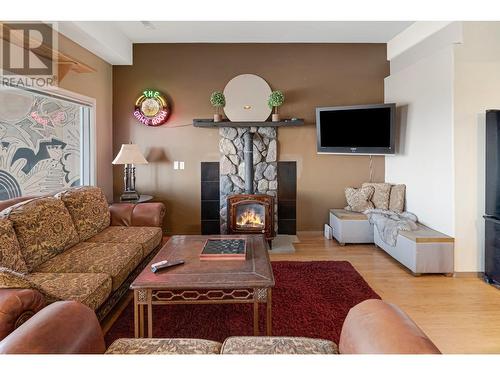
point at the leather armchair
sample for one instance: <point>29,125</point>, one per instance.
<point>137,215</point>
<point>378,327</point>
<point>64,327</point>
<point>17,306</point>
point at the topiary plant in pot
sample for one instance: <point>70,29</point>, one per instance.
<point>276,99</point>
<point>218,101</point>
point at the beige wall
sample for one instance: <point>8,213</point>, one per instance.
<point>97,85</point>
<point>477,82</point>
<point>310,75</point>
<point>423,91</point>
<point>474,83</point>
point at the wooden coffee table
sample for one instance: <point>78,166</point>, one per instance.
<point>204,281</point>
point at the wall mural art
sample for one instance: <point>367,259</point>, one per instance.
<point>39,144</point>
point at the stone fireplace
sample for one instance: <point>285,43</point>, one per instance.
<point>248,180</point>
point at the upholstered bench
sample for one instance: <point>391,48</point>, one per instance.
<point>350,227</point>
<point>422,251</point>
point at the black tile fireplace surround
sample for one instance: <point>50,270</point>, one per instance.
<point>286,196</point>
<point>210,201</point>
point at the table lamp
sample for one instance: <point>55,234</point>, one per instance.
<point>129,155</point>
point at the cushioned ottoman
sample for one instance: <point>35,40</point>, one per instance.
<point>350,227</point>
<point>277,345</point>
<point>164,346</point>
<point>232,345</point>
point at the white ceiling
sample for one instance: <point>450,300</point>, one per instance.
<point>261,32</point>
<point>113,41</point>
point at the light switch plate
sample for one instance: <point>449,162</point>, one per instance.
<point>181,165</point>
<point>176,164</point>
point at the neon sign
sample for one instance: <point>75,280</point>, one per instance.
<point>151,108</point>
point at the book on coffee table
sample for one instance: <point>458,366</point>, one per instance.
<point>217,249</point>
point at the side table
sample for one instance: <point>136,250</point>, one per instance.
<point>142,198</point>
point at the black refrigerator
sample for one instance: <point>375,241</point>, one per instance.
<point>492,214</point>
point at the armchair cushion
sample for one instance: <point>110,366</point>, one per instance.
<point>44,228</point>
<point>88,207</point>
<point>115,260</point>
<point>10,252</point>
<point>148,237</point>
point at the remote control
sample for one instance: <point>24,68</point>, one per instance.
<point>165,264</point>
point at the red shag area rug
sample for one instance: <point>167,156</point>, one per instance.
<point>310,299</point>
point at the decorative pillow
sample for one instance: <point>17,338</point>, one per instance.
<point>44,228</point>
<point>89,209</point>
<point>381,195</point>
<point>358,200</point>
<point>10,252</point>
<point>397,198</point>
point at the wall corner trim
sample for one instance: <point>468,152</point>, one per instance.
<point>445,37</point>
<point>413,35</point>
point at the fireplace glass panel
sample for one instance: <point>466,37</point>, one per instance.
<point>250,216</point>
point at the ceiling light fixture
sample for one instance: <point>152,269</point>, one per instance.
<point>148,25</point>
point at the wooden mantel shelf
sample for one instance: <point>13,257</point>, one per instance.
<point>209,123</point>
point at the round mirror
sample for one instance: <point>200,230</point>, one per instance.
<point>246,98</point>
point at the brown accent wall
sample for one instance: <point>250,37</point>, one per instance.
<point>311,75</point>
<point>97,85</point>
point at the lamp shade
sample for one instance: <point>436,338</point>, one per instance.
<point>130,154</point>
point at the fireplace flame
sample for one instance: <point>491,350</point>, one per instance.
<point>250,218</point>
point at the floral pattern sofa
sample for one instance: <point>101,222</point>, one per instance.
<point>74,246</point>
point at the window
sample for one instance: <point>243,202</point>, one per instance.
<point>45,143</point>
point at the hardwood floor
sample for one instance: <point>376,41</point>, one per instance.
<point>461,315</point>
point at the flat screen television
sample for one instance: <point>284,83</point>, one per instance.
<point>360,129</point>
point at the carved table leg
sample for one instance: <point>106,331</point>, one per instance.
<point>136,315</point>
<point>141,321</point>
<point>150,314</point>
<point>255,317</point>
<point>140,298</point>
<point>269,318</point>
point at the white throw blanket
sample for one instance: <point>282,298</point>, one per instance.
<point>389,223</point>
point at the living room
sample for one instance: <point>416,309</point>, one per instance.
<point>209,185</point>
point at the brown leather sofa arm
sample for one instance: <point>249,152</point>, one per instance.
<point>64,327</point>
<point>17,306</point>
<point>378,327</point>
<point>137,215</point>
